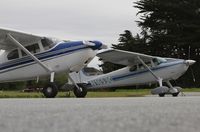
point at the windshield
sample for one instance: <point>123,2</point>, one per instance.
<point>159,60</point>
<point>49,42</point>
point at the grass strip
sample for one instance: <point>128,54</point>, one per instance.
<point>117,93</point>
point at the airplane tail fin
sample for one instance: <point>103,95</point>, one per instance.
<point>84,75</point>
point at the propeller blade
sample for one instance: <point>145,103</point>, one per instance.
<point>193,77</point>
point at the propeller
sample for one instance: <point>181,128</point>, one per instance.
<point>190,63</point>
<point>193,77</point>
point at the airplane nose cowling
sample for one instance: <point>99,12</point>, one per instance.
<point>96,45</point>
<point>189,62</point>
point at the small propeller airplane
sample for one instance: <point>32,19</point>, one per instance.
<point>140,69</point>
<point>27,57</point>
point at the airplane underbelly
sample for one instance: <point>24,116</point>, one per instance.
<point>32,70</point>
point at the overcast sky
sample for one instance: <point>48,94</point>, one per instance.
<point>70,19</point>
<point>100,20</point>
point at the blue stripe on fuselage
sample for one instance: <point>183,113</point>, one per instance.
<point>59,49</point>
<point>66,45</point>
<point>116,78</point>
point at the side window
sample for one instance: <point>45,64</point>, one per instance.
<point>133,68</point>
<point>158,60</point>
<point>13,55</point>
<point>155,61</point>
<point>149,64</point>
<point>32,48</point>
<point>46,43</point>
<point>141,66</point>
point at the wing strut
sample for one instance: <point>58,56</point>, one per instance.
<point>156,77</point>
<point>69,77</point>
<point>46,68</point>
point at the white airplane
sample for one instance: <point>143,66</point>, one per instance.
<point>26,57</point>
<point>140,69</point>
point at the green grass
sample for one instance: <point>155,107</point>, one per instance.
<point>15,94</point>
<point>117,93</point>
<point>191,90</point>
<point>18,94</point>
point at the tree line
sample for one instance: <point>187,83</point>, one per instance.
<point>170,28</point>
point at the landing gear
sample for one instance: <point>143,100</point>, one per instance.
<point>80,92</point>
<point>174,90</point>
<point>162,90</point>
<point>162,95</point>
<point>175,94</point>
<point>50,90</point>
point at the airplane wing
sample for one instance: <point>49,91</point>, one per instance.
<point>123,57</point>
<point>23,38</point>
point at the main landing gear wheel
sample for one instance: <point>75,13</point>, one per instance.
<point>161,91</point>
<point>179,89</point>
<point>80,93</point>
<point>175,94</point>
<point>162,95</point>
<point>50,90</point>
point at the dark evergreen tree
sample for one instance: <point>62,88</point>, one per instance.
<point>171,21</point>
<point>129,43</point>
<point>173,30</point>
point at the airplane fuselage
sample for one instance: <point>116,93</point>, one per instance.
<point>62,57</point>
<point>170,70</point>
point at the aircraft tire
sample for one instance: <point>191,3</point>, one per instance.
<point>162,95</point>
<point>80,94</point>
<point>50,90</point>
<point>175,94</point>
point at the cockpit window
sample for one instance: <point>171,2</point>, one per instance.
<point>48,43</point>
<point>13,55</point>
<point>141,66</point>
<point>158,60</point>
<point>32,49</point>
<point>133,68</point>
<point>148,64</point>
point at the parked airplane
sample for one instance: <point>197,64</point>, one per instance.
<point>26,57</point>
<point>140,69</point>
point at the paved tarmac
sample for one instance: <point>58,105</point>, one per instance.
<point>138,114</point>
